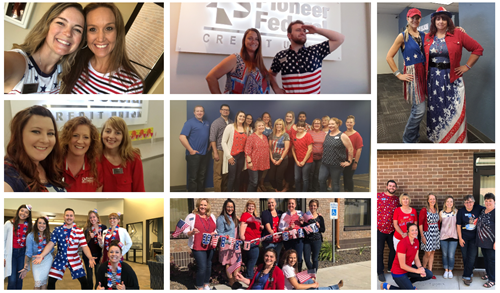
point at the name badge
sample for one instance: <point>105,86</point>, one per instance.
<point>117,171</point>
<point>282,60</point>
<point>336,137</point>
<point>29,88</point>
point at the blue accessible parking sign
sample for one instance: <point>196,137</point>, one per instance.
<point>334,208</point>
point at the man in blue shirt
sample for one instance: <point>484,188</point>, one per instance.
<point>194,137</point>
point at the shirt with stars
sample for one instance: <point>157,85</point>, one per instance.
<point>47,83</point>
<point>68,241</point>
<point>301,71</point>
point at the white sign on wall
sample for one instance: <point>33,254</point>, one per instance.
<point>134,112</point>
<point>218,28</point>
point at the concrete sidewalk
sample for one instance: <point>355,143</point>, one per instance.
<point>446,284</point>
<point>356,276</point>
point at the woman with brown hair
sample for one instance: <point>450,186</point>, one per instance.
<point>233,144</point>
<point>302,146</point>
<point>50,49</point>
<point>103,66</point>
<point>246,72</point>
<point>35,243</point>
<point>33,153</point>
<point>357,145</point>
<point>81,152</point>
<point>250,229</point>
<point>121,163</point>
<point>428,223</point>
<point>92,229</point>
<point>318,136</point>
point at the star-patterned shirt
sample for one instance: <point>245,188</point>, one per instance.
<point>46,83</point>
<point>386,205</point>
<point>301,72</point>
<point>68,240</point>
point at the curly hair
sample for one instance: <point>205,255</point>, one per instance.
<point>94,151</point>
<point>36,37</point>
<point>46,232</point>
<point>125,149</point>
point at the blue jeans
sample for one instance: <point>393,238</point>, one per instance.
<point>314,176</point>
<point>302,177</point>
<point>276,246</point>
<point>310,281</point>
<point>253,178</point>
<point>406,281</point>
<point>412,128</point>
<point>252,257</point>
<point>298,246</point>
<point>197,171</point>
<point>469,253</point>
<point>489,262</point>
<point>234,172</point>
<point>203,260</point>
<point>14,282</point>
<point>448,249</point>
<point>314,247</point>
<point>335,172</point>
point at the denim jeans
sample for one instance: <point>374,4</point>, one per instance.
<point>314,176</point>
<point>252,256</point>
<point>406,281</point>
<point>489,262</point>
<point>448,249</point>
<point>276,246</point>
<point>204,262</point>
<point>253,178</point>
<point>469,253</point>
<point>298,246</point>
<point>310,281</point>
<point>348,179</point>
<point>14,282</point>
<point>334,172</point>
<point>197,171</point>
<point>302,177</point>
<point>412,128</point>
<point>383,238</point>
<point>88,269</point>
<point>234,171</point>
<point>277,174</point>
<point>312,247</point>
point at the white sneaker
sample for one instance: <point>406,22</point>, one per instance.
<point>206,288</point>
<point>445,275</point>
<point>450,275</point>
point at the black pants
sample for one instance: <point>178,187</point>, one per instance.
<point>348,179</point>
<point>88,269</point>
<point>289,173</point>
<point>381,239</point>
<point>314,176</point>
<point>234,172</point>
<point>277,174</point>
<point>82,280</point>
<point>197,171</point>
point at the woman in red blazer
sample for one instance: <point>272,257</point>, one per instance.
<point>446,92</point>
<point>428,221</point>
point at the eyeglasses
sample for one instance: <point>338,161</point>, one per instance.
<point>225,109</point>
<point>469,201</point>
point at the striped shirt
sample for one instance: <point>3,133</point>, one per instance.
<point>301,71</point>
<point>68,241</point>
<point>122,82</point>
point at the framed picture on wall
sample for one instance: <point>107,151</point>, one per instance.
<point>18,13</point>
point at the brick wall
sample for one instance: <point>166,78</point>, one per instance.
<point>420,172</point>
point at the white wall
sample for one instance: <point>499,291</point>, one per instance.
<point>177,118</point>
<point>349,76</point>
<point>387,31</point>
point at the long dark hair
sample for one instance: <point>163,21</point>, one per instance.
<point>271,279</point>
<point>224,213</point>
<point>29,220</point>
<point>46,232</point>
<point>451,25</point>
<point>257,61</point>
<point>17,155</point>
<point>270,123</point>
<point>284,259</point>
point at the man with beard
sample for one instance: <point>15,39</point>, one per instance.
<point>216,132</point>
<point>302,117</point>
<point>300,66</point>
<point>387,203</point>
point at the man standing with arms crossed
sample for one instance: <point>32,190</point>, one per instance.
<point>216,131</point>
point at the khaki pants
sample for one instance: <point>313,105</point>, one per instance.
<point>220,180</point>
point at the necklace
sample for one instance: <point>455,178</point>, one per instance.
<point>205,228</point>
<point>21,236</point>
<point>113,237</point>
<point>110,274</point>
<point>41,242</point>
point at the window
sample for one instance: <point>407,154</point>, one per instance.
<point>281,204</point>
<point>179,209</point>
<point>357,214</point>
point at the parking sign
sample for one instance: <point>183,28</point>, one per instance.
<point>334,209</point>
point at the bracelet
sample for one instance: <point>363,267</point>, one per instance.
<point>467,65</point>
<point>396,73</point>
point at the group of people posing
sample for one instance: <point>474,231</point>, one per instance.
<point>399,225</point>
<point>300,66</point>
<point>287,152</point>
<point>39,158</point>
<point>30,247</point>
<point>249,237</point>
<point>432,69</point>
<point>73,50</point>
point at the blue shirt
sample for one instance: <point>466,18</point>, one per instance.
<point>17,183</point>
<point>32,246</point>
<point>224,228</point>
<point>197,133</point>
<point>260,282</point>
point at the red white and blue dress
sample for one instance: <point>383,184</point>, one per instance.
<point>242,80</point>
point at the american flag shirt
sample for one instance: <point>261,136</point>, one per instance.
<point>301,72</point>
<point>68,240</point>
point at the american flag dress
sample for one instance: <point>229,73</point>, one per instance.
<point>68,240</point>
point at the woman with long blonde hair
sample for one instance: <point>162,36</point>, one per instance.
<point>448,235</point>
<point>279,145</point>
<point>428,222</point>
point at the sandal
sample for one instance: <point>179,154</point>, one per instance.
<point>383,286</point>
<point>488,284</point>
<point>485,277</point>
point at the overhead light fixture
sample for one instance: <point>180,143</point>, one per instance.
<point>443,3</point>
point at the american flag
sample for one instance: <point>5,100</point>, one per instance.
<point>308,216</point>
<point>268,237</point>
<point>293,234</point>
<point>181,226</point>
<point>68,241</point>
<point>215,240</point>
<point>306,275</point>
<point>277,237</point>
<point>257,220</point>
<point>234,266</point>
<point>308,229</point>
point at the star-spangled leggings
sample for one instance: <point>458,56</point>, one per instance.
<point>82,280</point>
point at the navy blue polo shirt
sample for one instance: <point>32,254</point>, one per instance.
<point>301,72</point>
<point>197,133</point>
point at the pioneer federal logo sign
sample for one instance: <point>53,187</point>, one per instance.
<point>218,28</point>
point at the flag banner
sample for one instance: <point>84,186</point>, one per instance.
<point>300,233</point>
<point>267,237</point>
<point>237,244</point>
<point>293,234</point>
<point>277,237</point>
<point>285,236</point>
<point>315,228</point>
<point>206,238</point>
<point>246,245</point>
<point>181,226</point>
<point>234,266</point>
<point>223,242</point>
<point>215,240</point>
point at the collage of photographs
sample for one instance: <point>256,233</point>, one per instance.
<point>410,212</point>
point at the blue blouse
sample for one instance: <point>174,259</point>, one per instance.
<point>224,228</point>
<point>32,246</point>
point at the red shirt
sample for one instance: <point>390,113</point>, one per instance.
<point>253,228</point>
<point>385,212</point>
<point>318,139</point>
<point>258,151</point>
<point>357,143</point>
<point>239,141</point>
<point>19,239</point>
<point>206,225</point>
<point>403,219</point>
<point>131,180</point>
<point>410,250</point>
<point>301,145</point>
<point>84,181</point>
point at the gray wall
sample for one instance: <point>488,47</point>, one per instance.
<point>349,76</point>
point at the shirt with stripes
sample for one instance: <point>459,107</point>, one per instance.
<point>301,71</point>
<point>120,82</point>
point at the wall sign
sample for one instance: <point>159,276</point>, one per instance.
<point>218,28</point>
<point>134,112</point>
